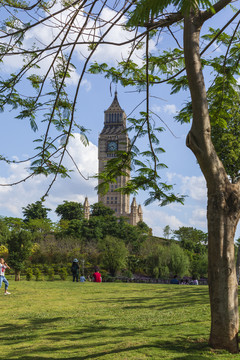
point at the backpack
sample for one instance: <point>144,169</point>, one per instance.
<point>74,268</point>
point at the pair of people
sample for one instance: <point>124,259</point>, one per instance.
<point>3,267</point>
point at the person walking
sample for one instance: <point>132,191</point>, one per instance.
<point>3,267</point>
<point>75,270</point>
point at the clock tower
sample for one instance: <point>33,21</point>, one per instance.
<point>114,138</point>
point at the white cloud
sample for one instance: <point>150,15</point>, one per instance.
<point>198,218</point>
<point>193,186</point>
<point>157,218</point>
<point>156,108</point>
<point>86,84</point>
<point>50,32</point>
<point>170,109</point>
<point>75,189</point>
<point>191,214</point>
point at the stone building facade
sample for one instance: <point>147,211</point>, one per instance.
<point>114,137</point>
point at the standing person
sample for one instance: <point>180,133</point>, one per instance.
<point>75,270</point>
<point>97,276</point>
<point>3,267</point>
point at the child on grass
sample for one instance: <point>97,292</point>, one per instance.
<point>3,267</point>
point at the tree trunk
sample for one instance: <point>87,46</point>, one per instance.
<point>223,286</point>
<point>17,275</point>
<point>223,201</point>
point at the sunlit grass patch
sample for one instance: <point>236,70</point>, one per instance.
<point>65,320</point>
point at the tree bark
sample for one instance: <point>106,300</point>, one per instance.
<point>223,286</point>
<point>17,275</point>
<point>223,209</point>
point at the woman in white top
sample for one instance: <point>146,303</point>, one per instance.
<point>3,267</point>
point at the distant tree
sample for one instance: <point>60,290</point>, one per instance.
<point>133,236</point>
<point>178,260</point>
<point>167,232</point>
<point>73,228</point>
<point>192,239</point>
<point>155,258</point>
<point>19,247</point>
<point>39,228</point>
<point>4,232</point>
<point>14,223</point>
<point>99,209</point>
<point>157,263</point>
<point>199,265</point>
<point>141,225</point>
<point>114,254</point>
<point>35,211</point>
<point>70,210</point>
<point>164,260</point>
<point>3,251</point>
<point>91,229</point>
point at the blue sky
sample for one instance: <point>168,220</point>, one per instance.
<point>95,96</point>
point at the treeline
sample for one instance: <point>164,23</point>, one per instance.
<point>36,245</point>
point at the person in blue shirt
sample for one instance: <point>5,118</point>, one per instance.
<point>174,280</point>
<point>82,278</point>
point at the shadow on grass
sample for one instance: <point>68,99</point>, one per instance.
<point>153,350</point>
<point>188,295</point>
<point>99,346</point>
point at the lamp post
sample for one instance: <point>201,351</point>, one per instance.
<point>83,261</point>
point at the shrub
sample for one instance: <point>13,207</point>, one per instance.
<point>29,274</point>
<point>38,274</point>
<point>50,274</point>
<point>127,273</point>
<point>63,273</point>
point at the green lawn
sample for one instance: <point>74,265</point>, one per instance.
<point>65,320</point>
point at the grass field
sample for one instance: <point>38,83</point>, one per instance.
<point>65,320</point>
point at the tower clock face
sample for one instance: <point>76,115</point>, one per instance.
<point>112,146</point>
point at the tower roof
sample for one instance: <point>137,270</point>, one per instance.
<point>86,202</point>
<point>115,105</point>
<point>134,203</point>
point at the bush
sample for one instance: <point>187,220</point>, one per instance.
<point>50,274</point>
<point>29,274</point>
<point>38,274</point>
<point>127,273</point>
<point>63,273</point>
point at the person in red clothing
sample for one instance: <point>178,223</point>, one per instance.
<point>97,276</point>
